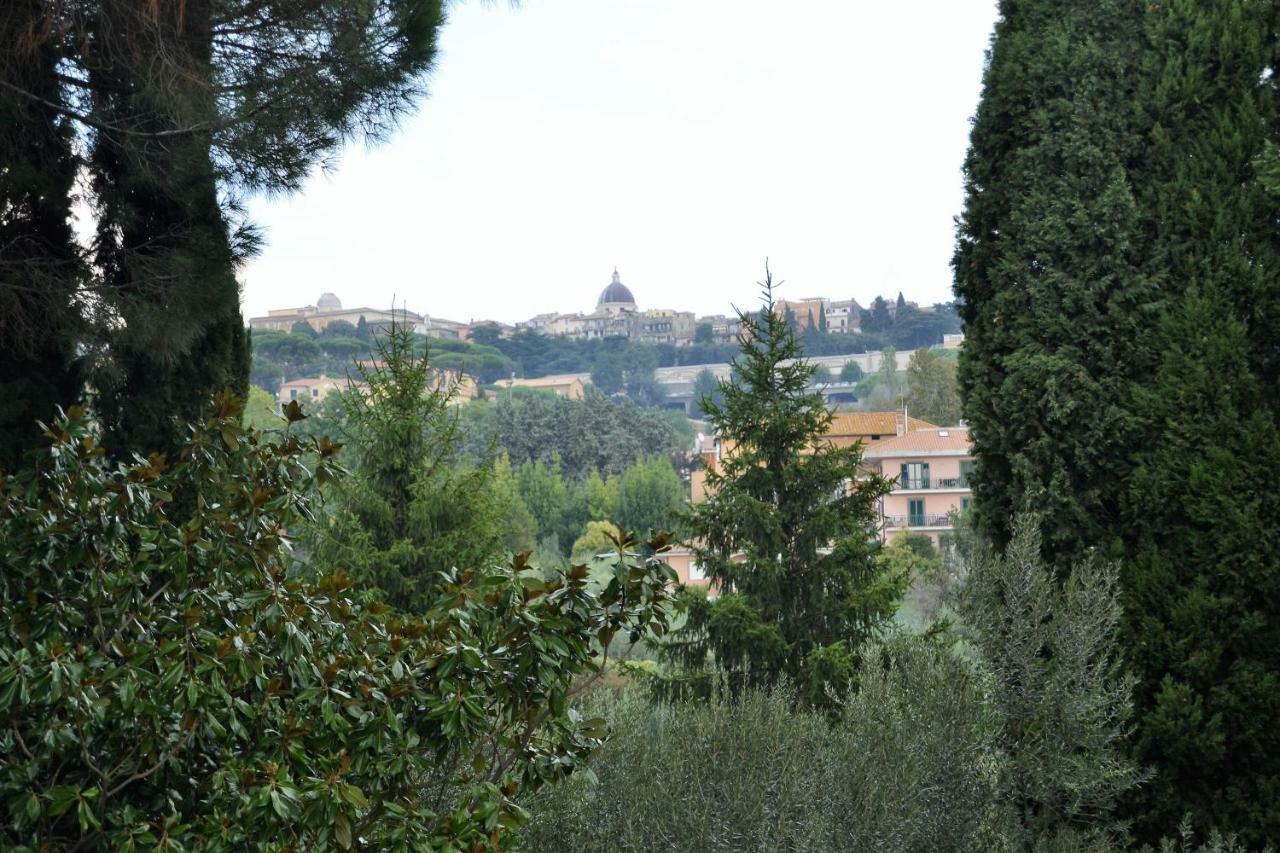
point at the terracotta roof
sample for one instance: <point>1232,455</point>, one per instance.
<point>947,440</point>
<point>871,423</point>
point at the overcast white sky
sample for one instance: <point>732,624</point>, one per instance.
<point>683,141</point>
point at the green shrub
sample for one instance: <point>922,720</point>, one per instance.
<point>168,678</point>
<point>1050,645</point>
<point>910,764</point>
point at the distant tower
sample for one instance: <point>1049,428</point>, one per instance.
<point>616,298</point>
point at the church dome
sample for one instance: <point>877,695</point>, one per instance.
<point>329,302</point>
<point>616,293</point>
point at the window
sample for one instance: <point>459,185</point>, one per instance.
<point>915,475</point>
<point>293,393</point>
<point>915,512</point>
<point>965,503</point>
<point>315,392</point>
<point>966,469</point>
<point>695,571</point>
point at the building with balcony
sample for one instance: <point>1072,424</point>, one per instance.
<point>930,469</point>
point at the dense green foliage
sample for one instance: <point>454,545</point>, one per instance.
<point>593,434</point>
<point>1051,646</point>
<point>412,509</point>
<point>649,495</point>
<point>910,764</point>
<point>1014,742</point>
<point>170,678</point>
<point>178,109</point>
<point>1201,512</point>
<point>1203,586</point>
<point>163,243</point>
<point>932,391</point>
<point>1119,263</point>
<point>788,530</point>
<point>1056,309</point>
<point>41,268</point>
<point>282,356</point>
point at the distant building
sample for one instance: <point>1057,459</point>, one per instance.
<point>616,298</point>
<point>438,327</point>
<point>570,386</point>
<point>931,470</point>
<point>844,316</point>
<point>316,388</point>
<point>312,388</point>
<point>328,309</point>
<point>805,311</point>
<point>687,570</point>
<point>616,314</point>
<point>870,427</point>
<point>664,326</point>
<point>930,467</point>
<point>952,341</point>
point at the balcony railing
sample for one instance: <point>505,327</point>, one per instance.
<point>917,520</point>
<point>934,483</point>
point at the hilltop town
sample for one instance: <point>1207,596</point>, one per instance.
<point>616,314</point>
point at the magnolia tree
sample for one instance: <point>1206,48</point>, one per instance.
<point>169,677</point>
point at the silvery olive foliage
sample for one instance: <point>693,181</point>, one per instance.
<point>1049,644</point>
<point>910,763</point>
<point>171,679</point>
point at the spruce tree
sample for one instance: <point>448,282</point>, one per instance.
<point>412,508</point>
<point>41,270</point>
<point>788,532</point>
<point>1056,306</point>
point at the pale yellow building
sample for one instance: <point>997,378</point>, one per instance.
<point>572,387</point>
<point>328,309</point>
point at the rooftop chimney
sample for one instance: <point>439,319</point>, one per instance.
<point>900,422</point>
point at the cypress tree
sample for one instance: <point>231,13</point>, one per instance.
<point>1056,308</point>
<point>788,532</point>
<point>1202,587</point>
<point>1204,575</point>
<point>41,270</point>
<point>1113,181</point>
<point>1211,100</point>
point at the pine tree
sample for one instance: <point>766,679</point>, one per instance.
<point>788,532</point>
<point>40,267</point>
<point>1057,309</point>
<point>183,106</point>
